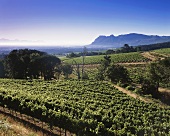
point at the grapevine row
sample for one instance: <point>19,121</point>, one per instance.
<point>116,58</point>
<point>84,107</point>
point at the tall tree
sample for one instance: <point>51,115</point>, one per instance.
<point>30,63</point>
<point>46,65</point>
<point>14,65</point>
<point>157,73</point>
<point>105,63</point>
<point>77,69</point>
<point>2,70</point>
<point>67,69</point>
<point>117,73</point>
<point>84,55</point>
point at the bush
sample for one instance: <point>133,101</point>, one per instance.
<point>149,87</point>
<point>131,88</point>
<point>138,91</point>
<point>85,76</point>
<point>123,85</point>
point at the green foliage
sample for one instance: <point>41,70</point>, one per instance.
<point>163,51</point>
<point>117,73</point>
<point>126,48</point>
<point>24,63</point>
<point>105,63</point>
<point>154,46</point>
<point>85,75</point>
<point>2,70</point>
<point>137,73</point>
<point>110,51</point>
<point>84,107</point>
<point>131,88</point>
<point>115,58</point>
<point>157,73</point>
<point>72,55</point>
<point>67,69</point>
<point>18,62</point>
<point>150,87</point>
<point>160,72</point>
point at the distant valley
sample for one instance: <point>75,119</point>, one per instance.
<point>99,44</point>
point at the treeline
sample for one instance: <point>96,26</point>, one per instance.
<point>126,48</point>
<point>25,63</point>
<point>154,46</point>
<point>73,55</point>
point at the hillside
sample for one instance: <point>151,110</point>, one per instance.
<point>84,107</point>
<point>133,39</point>
<point>154,46</point>
<point>87,107</point>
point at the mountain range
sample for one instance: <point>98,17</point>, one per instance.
<point>133,39</point>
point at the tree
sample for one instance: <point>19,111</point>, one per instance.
<point>2,70</point>
<point>126,48</point>
<point>101,74</point>
<point>110,51</point>
<point>149,87</point>
<point>117,73</point>
<point>18,63</point>
<point>84,55</point>
<point>46,65</point>
<point>77,69</point>
<point>72,55</point>
<point>157,73</point>
<point>24,63</point>
<point>67,69</point>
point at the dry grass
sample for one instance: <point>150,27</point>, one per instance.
<point>10,127</point>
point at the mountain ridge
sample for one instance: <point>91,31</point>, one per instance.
<point>133,39</point>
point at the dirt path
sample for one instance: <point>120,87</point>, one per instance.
<point>97,65</point>
<point>136,96</point>
<point>133,94</point>
<point>164,90</point>
<point>160,88</point>
<point>149,56</point>
<point>160,55</point>
<point>133,63</point>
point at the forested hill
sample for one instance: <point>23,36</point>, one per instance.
<point>154,46</point>
<point>133,39</point>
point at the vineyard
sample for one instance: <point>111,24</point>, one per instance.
<point>163,51</point>
<point>84,107</point>
<point>136,72</point>
<point>116,58</point>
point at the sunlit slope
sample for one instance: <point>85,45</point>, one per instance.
<point>117,58</point>
<point>84,107</point>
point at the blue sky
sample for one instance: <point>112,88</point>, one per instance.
<point>79,22</point>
